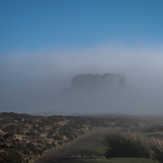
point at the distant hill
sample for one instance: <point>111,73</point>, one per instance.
<point>96,81</point>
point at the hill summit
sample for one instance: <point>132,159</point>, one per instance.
<point>96,81</point>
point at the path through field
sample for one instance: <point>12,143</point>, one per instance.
<point>91,143</point>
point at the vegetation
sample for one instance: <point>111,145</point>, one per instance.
<point>111,160</point>
<point>24,137</point>
<point>127,144</point>
<point>157,147</point>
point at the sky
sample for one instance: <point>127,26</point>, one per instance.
<point>28,25</point>
<point>45,43</point>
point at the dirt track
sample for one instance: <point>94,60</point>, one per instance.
<point>90,143</point>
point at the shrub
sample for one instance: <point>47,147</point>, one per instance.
<point>157,147</point>
<point>127,144</point>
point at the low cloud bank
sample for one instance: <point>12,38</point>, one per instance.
<point>40,82</point>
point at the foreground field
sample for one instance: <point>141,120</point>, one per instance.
<point>25,138</point>
<point>111,160</point>
<point>91,143</point>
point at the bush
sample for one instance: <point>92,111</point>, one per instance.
<point>157,147</point>
<point>127,145</point>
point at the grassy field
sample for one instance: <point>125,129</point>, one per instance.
<point>111,160</point>
<point>62,139</point>
<point>89,144</point>
<point>95,143</point>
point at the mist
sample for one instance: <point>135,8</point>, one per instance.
<point>41,81</point>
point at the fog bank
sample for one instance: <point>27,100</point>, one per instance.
<point>41,81</point>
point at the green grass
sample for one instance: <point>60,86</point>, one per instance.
<point>91,144</point>
<point>95,143</point>
<point>110,160</point>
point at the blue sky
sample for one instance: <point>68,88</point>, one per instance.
<point>31,25</point>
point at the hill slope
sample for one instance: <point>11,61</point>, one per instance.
<point>23,137</point>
